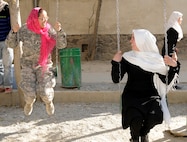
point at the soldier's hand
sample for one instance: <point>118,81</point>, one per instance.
<point>57,26</point>
<point>15,28</point>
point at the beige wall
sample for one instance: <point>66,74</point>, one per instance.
<point>147,14</point>
<point>77,16</point>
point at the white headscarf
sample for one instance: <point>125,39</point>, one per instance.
<point>173,23</point>
<point>149,59</point>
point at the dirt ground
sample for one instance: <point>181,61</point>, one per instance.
<point>82,122</point>
<point>79,122</point>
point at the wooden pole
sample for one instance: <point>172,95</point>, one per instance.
<point>15,18</point>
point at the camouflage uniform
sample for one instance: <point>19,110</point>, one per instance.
<point>33,80</point>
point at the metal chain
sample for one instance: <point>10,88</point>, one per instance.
<point>166,46</point>
<point>35,3</point>
<point>118,40</point>
<point>57,10</point>
<point>17,8</point>
<point>165,26</point>
<point>118,25</point>
<point>165,35</point>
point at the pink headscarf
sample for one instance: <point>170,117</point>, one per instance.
<point>47,43</point>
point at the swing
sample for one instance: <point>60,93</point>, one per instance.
<point>182,133</point>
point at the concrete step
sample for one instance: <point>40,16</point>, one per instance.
<point>91,92</point>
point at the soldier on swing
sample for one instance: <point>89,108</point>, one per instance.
<point>39,39</point>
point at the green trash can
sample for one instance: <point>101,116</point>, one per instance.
<point>70,62</point>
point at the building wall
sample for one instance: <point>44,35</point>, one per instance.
<point>107,45</point>
<point>78,17</point>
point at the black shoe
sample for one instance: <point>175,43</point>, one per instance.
<point>144,138</point>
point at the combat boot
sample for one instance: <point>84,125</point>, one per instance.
<point>50,108</point>
<point>28,109</point>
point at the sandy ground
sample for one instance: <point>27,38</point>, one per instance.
<point>82,122</point>
<point>93,122</point>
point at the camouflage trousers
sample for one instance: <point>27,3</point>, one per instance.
<point>35,82</point>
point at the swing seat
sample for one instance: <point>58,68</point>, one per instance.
<point>177,133</point>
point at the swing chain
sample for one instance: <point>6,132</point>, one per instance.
<point>118,39</point>
<point>166,47</point>
<point>118,25</point>
<point>165,28</point>
<point>165,38</point>
<point>17,8</point>
<point>57,9</point>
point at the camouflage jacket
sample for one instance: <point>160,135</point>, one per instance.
<point>31,43</point>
